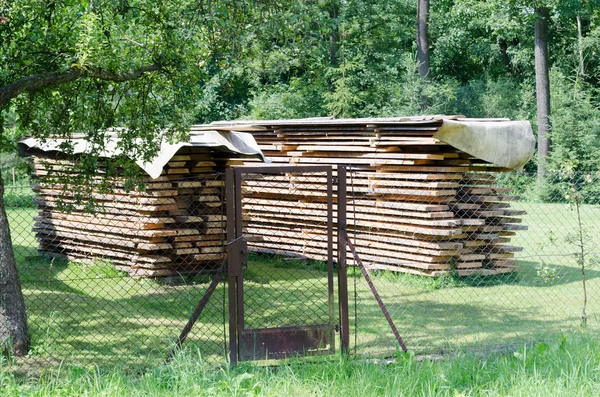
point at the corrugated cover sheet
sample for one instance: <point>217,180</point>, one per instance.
<point>508,144</point>
<point>238,143</point>
<point>502,142</point>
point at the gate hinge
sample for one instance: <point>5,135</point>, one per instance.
<point>237,256</point>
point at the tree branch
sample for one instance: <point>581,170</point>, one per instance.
<point>103,74</point>
<point>51,79</point>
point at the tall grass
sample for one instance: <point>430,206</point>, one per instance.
<point>568,367</point>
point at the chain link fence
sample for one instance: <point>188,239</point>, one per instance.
<point>474,262</point>
<point>118,286</point>
<point>521,267</point>
<point>285,296</point>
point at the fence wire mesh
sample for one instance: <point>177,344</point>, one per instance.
<point>288,236</point>
<point>286,296</point>
<point>474,261</point>
<point>117,286</point>
<point>482,261</point>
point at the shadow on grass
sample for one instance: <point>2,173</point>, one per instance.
<point>93,314</point>
<point>140,328</point>
<point>86,311</point>
<point>530,274</point>
<point>538,274</point>
<point>430,326</point>
<point>40,272</point>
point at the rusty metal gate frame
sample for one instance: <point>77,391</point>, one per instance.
<point>237,259</point>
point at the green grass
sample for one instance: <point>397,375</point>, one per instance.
<point>448,313</point>
<point>93,314</point>
<point>568,366</point>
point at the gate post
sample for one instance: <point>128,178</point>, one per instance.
<point>341,260</point>
<point>232,279</point>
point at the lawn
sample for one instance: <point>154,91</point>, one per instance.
<point>545,295</point>
<point>567,366</point>
<point>94,314</point>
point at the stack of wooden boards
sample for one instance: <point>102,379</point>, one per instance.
<point>415,204</point>
<point>175,226</point>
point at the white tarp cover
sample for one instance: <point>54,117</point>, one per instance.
<point>508,144</point>
<point>239,143</point>
<point>502,142</point>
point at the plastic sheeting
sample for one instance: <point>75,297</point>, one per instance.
<point>508,144</point>
<point>238,143</point>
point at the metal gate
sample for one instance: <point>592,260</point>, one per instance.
<point>281,262</point>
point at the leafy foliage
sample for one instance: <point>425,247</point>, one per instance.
<point>482,66</point>
<point>240,59</point>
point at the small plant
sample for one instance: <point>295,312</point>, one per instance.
<point>43,345</point>
<point>579,239</point>
<point>19,198</point>
<point>426,283</point>
<point>299,263</point>
<point>546,273</point>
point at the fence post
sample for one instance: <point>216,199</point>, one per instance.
<point>232,279</point>
<point>341,259</point>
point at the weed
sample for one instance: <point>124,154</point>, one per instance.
<point>546,274</point>
<point>581,240</point>
<point>42,345</point>
<point>444,282</point>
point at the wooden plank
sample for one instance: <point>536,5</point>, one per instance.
<point>415,197</point>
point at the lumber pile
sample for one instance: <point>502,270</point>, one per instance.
<point>415,204</point>
<point>175,226</point>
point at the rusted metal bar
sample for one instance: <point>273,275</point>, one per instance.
<point>367,277</point>
<point>232,279</point>
<point>275,169</point>
<point>341,260</point>
<point>331,293</point>
<point>197,311</point>
<point>239,232</point>
<point>282,342</point>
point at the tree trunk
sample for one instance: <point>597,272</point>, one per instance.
<point>14,337</point>
<point>504,52</point>
<point>423,39</point>
<point>333,10</point>
<point>542,87</point>
<point>580,45</point>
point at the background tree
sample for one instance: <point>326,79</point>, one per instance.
<point>542,86</point>
<point>423,38</point>
<point>73,66</point>
<point>84,66</point>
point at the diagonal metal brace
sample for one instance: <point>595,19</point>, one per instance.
<point>198,310</point>
<point>367,277</point>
